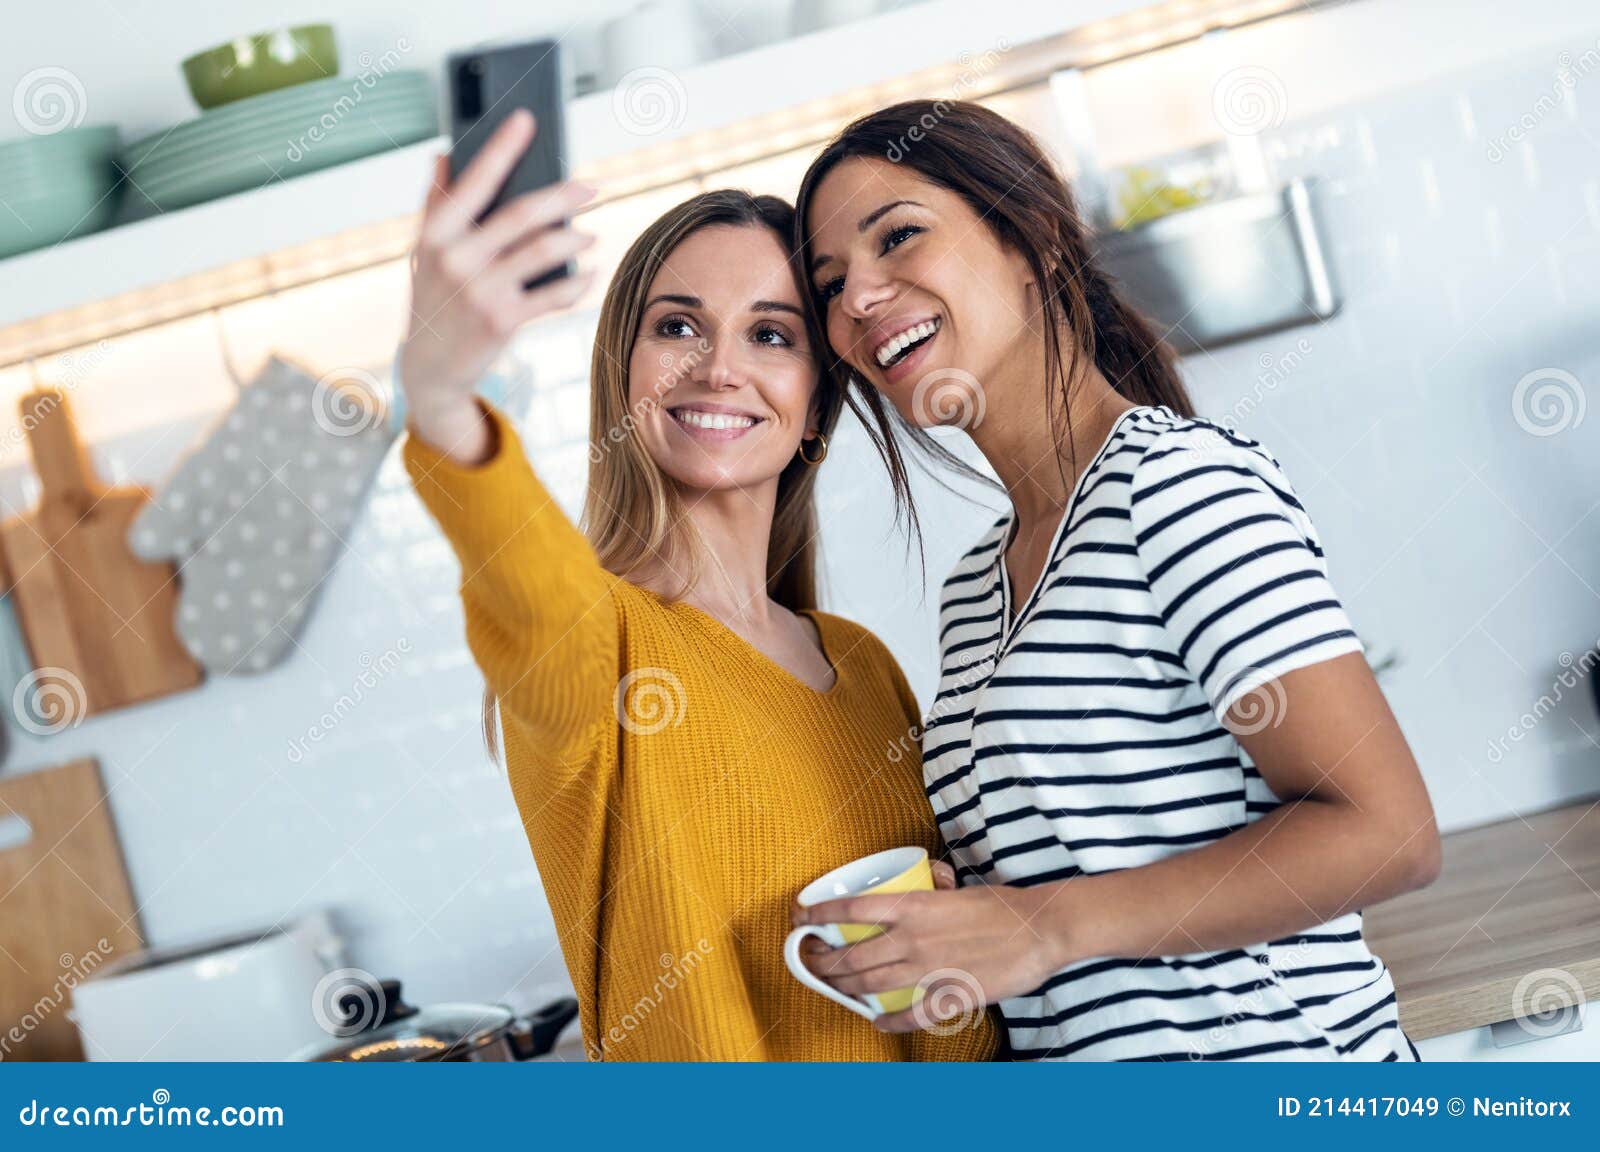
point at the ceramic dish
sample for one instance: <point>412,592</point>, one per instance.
<point>268,61</point>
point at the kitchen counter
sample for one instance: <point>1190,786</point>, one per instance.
<point>1516,901</point>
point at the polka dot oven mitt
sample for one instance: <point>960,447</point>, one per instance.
<point>255,516</point>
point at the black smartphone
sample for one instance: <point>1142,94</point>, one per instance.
<point>486,86</point>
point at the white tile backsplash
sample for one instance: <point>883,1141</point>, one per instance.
<point>1463,541</point>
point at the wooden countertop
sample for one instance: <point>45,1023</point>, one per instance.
<point>1514,898</point>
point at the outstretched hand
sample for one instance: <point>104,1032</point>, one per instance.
<point>467,295</point>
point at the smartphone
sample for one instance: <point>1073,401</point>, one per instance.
<point>486,86</point>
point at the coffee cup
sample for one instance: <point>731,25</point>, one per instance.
<point>897,870</point>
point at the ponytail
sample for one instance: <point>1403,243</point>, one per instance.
<point>1127,350</point>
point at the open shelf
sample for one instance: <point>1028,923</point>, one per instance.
<point>719,114</point>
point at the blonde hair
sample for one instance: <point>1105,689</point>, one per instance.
<point>632,514</point>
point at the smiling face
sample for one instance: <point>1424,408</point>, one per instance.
<point>918,295</point>
<point>721,373</point>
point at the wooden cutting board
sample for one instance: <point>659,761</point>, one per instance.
<point>94,614</point>
<point>66,907</point>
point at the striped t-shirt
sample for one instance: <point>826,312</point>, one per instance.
<point>1083,736</point>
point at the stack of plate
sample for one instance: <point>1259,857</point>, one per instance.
<point>276,136</point>
<point>55,187</point>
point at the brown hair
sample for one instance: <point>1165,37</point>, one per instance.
<point>631,511</point>
<point>1009,182</point>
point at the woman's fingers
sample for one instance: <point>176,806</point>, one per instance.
<point>944,876</point>
<point>527,215</point>
<point>542,253</point>
<point>475,188</point>
<point>563,293</point>
<point>885,979</point>
<point>854,910</point>
<point>862,957</point>
<point>439,189</point>
<point>910,1020</point>
<point>943,1002</point>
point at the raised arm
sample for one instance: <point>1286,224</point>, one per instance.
<point>539,615</point>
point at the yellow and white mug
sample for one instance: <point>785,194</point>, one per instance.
<point>894,871</point>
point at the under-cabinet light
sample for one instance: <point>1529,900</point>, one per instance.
<point>697,157</point>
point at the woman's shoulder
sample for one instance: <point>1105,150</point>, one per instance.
<point>977,560</point>
<point>1170,450</point>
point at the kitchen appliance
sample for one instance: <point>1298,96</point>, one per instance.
<point>247,996</point>
<point>98,620</point>
<point>66,908</point>
<point>1227,270</point>
<point>377,1025</point>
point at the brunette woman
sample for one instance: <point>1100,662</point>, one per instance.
<point>1157,754</point>
<point>687,738</point>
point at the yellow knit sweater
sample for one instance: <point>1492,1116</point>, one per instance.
<point>677,787</point>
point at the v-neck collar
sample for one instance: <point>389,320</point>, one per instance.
<point>759,660</point>
<point>1009,624</point>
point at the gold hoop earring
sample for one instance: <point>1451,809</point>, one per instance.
<point>821,456</point>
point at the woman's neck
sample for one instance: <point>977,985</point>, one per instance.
<point>731,530</point>
<point>1019,441</point>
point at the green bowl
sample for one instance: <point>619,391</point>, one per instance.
<point>251,65</point>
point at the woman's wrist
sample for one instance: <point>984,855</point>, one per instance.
<point>1068,918</point>
<point>455,426</point>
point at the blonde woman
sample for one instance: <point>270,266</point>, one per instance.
<point>689,741</point>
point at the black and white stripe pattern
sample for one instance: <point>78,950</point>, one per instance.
<point>1085,738</point>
